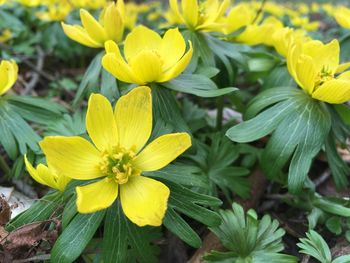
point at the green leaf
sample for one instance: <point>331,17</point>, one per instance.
<point>248,239</point>
<point>331,206</point>
<point>166,108</point>
<point>179,227</point>
<point>314,217</point>
<point>123,241</point>
<point>115,244</point>
<point>67,125</point>
<point>191,204</point>
<point>183,174</point>
<point>109,86</point>
<point>316,124</point>
<point>70,210</point>
<point>199,85</point>
<point>342,259</point>
<point>39,211</point>
<point>339,168</point>
<point>140,239</point>
<point>344,112</point>
<point>315,246</point>
<point>262,124</point>
<point>268,98</point>
<point>90,78</point>
<point>16,131</point>
<point>73,240</point>
<point>274,258</point>
<point>278,77</point>
<point>231,50</point>
<point>200,47</point>
<point>301,126</point>
<point>35,109</point>
<point>334,225</point>
<point>221,257</point>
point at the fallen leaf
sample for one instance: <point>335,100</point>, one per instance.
<point>5,211</point>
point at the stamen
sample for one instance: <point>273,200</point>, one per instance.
<point>117,164</point>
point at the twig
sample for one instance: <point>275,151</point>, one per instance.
<point>305,259</point>
<point>26,61</point>
<point>261,8</point>
<point>35,77</point>
<point>324,176</point>
<point>40,257</point>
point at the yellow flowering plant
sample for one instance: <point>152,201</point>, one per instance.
<point>95,33</point>
<point>117,158</point>
<point>148,61</point>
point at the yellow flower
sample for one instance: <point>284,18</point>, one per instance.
<point>55,11</point>
<point>204,17</point>
<point>47,176</point>
<point>240,15</point>
<point>260,34</point>
<point>148,57</point>
<point>118,157</point>
<point>8,75</point>
<point>342,16</point>
<point>315,65</point>
<point>89,4</point>
<point>5,35</point>
<point>93,33</point>
<point>305,23</point>
<point>30,3</point>
<point>284,37</point>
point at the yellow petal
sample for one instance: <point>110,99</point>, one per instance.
<point>293,55</point>
<point>33,172</point>
<point>334,91</point>
<point>46,176</point>
<point>79,34</point>
<point>92,27</point>
<point>133,114</point>
<point>115,64</point>
<point>174,7</point>
<point>144,200</point>
<point>306,73</point>
<point>147,66</point>
<point>342,67</point>
<point>345,75</point>
<point>239,16</point>
<point>73,157</point>
<point>100,122</point>
<point>113,23</point>
<point>96,196</point>
<point>140,38</point>
<point>62,182</point>
<point>162,151</point>
<point>8,75</point>
<point>179,67</point>
<point>342,16</point>
<point>174,41</point>
<point>325,56</point>
<point>190,12</point>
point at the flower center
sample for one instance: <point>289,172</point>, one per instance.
<point>117,164</point>
<point>323,76</point>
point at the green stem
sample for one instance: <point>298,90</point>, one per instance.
<point>220,110</point>
<point>3,165</point>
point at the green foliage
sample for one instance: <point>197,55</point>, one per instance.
<point>315,246</point>
<point>248,239</point>
<point>125,242</point>
<point>307,122</point>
